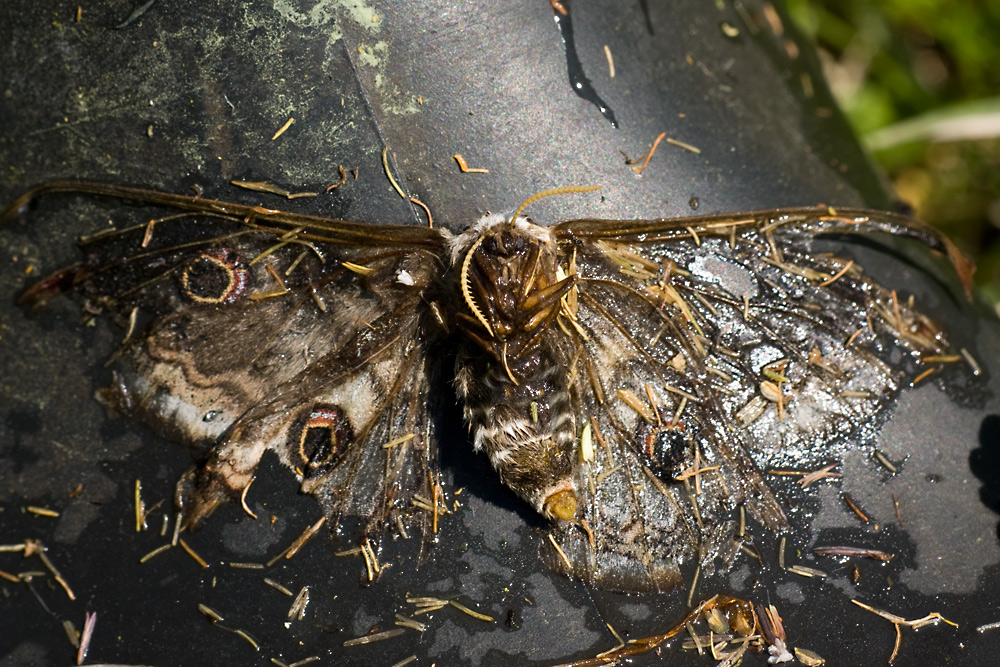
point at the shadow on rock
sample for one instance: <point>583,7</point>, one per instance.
<point>984,461</point>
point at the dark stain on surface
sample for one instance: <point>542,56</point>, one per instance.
<point>644,4</point>
<point>578,81</point>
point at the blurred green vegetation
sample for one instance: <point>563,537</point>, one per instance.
<point>920,82</point>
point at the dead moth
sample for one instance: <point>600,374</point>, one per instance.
<point>627,379</point>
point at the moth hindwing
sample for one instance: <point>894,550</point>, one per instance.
<point>628,379</point>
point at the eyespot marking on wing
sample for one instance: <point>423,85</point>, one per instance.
<point>218,276</point>
<point>320,437</point>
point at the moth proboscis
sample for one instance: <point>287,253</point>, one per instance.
<point>695,350</point>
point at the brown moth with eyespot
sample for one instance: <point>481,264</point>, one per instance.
<point>627,379</point>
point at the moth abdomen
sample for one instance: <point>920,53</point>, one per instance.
<point>528,433</point>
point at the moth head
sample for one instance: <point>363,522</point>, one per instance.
<point>508,251</point>
<point>500,248</point>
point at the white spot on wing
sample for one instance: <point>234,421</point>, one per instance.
<point>731,277</point>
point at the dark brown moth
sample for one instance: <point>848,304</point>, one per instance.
<point>627,379</point>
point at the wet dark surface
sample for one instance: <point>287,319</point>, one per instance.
<point>188,94</point>
<point>578,81</point>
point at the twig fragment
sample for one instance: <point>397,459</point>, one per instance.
<point>191,552</point>
<point>271,188</point>
<point>388,173</point>
<point>930,619</point>
<point>36,547</point>
<point>838,275</point>
<point>464,167</point>
<point>804,571</point>
<point>156,552</point>
<point>298,609</point>
<point>854,552</point>
<point>430,218</point>
<point>90,621</point>
<point>562,554</point>
<point>816,475</point>
<point>42,511</point>
<point>294,547</point>
<point>375,637</point>
<point>343,179</point>
<point>243,498</point>
<point>684,145</point>
<point>278,587</point>
<point>649,156</point>
<point>284,127</point>
<point>995,625</point>
<point>474,614</point>
<point>855,508</point>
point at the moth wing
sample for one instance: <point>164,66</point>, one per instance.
<point>353,424</point>
<point>710,349</point>
<point>259,338</point>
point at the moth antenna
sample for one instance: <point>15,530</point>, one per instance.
<point>566,189</point>
<point>467,288</point>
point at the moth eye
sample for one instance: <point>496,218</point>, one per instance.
<point>216,276</point>
<point>320,438</point>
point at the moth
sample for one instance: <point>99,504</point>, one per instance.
<point>627,379</point>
